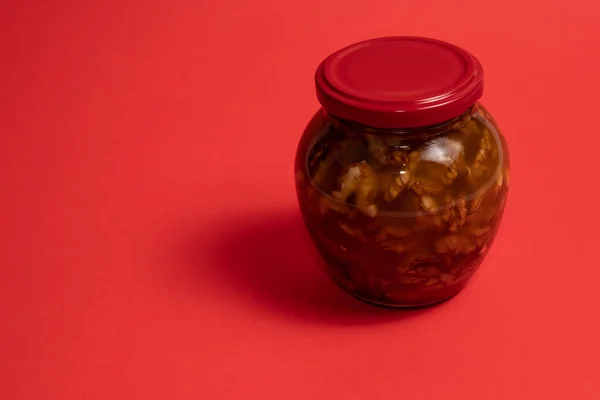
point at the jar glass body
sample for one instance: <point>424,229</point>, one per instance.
<point>402,217</point>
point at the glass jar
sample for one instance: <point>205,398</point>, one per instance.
<point>403,175</point>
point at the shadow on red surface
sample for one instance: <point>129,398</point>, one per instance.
<point>268,261</point>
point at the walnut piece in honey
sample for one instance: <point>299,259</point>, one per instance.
<point>360,180</point>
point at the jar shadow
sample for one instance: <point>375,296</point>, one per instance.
<point>267,260</point>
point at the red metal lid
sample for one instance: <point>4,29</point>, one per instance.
<point>399,82</point>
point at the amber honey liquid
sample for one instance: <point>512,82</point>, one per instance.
<point>403,218</point>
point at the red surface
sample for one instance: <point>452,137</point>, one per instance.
<point>150,239</point>
<point>399,82</point>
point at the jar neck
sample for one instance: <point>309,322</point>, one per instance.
<point>416,132</point>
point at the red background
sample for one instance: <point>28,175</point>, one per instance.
<point>150,239</point>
